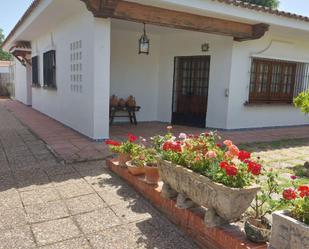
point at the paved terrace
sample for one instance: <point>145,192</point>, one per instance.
<point>50,205</point>
<point>71,146</point>
<point>46,203</point>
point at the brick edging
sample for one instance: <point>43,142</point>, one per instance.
<point>192,223</point>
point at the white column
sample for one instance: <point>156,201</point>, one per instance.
<point>29,85</point>
<point>101,77</point>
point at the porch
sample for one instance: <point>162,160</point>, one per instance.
<point>149,129</point>
<point>71,146</point>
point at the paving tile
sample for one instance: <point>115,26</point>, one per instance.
<point>59,169</point>
<point>55,231</point>
<point>105,181</point>
<point>11,218</point>
<point>64,179</point>
<point>31,179</point>
<point>7,180</point>
<point>123,237</point>
<point>39,196</point>
<point>124,196</point>
<point>17,238</point>
<point>46,211</point>
<point>9,199</point>
<point>85,203</point>
<point>87,167</point>
<point>75,189</point>
<point>133,212</point>
<point>79,243</point>
<point>97,221</point>
<point>139,235</point>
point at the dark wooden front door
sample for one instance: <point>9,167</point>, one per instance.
<point>190,92</point>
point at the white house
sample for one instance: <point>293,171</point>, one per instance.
<point>212,63</point>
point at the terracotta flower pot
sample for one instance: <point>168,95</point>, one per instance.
<point>257,231</point>
<point>152,174</point>
<point>123,158</point>
<point>135,170</point>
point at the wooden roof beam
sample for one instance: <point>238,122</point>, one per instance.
<point>174,19</point>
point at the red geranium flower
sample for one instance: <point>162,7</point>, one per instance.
<point>254,168</point>
<point>112,143</point>
<point>243,155</point>
<point>224,165</point>
<point>172,146</point>
<point>304,191</point>
<point>231,170</point>
<point>132,138</point>
<point>167,146</point>
<point>289,194</point>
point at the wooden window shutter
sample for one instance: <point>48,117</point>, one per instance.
<point>35,70</point>
<point>49,61</point>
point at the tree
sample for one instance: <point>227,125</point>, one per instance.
<point>302,102</point>
<point>274,4</point>
<point>4,56</point>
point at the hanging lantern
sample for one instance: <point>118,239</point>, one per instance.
<point>144,43</point>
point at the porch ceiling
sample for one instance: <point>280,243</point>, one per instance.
<point>174,19</point>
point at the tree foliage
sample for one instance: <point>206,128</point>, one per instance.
<point>274,4</point>
<point>4,56</point>
<point>302,102</point>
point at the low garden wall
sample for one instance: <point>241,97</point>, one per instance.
<point>191,221</point>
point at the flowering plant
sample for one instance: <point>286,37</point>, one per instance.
<point>297,201</point>
<point>126,147</point>
<point>264,202</point>
<point>224,164</point>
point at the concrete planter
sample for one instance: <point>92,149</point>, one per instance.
<point>288,233</point>
<point>223,204</point>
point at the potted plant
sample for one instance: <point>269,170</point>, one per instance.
<point>136,165</point>
<point>290,229</point>
<point>123,149</point>
<point>151,167</point>
<point>257,226</point>
<point>203,172</point>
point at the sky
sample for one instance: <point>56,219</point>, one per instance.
<point>12,10</point>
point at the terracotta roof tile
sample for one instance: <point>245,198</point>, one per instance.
<point>237,3</point>
<point>268,10</point>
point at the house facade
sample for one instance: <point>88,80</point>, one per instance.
<point>211,63</point>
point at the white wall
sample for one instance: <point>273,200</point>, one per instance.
<point>150,78</point>
<point>22,82</point>
<point>72,102</point>
<point>101,77</point>
<point>271,46</point>
<point>189,44</point>
<point>134,74</point>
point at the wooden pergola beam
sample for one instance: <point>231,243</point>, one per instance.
<point>130,11</point>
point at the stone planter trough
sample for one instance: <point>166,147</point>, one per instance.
<point>288,233</point>
<point>223,204</point>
